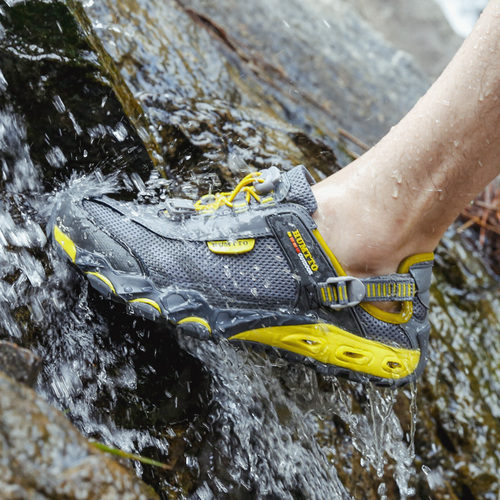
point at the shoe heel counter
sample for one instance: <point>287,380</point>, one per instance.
<point>420,268</point>
<point>422,274</point>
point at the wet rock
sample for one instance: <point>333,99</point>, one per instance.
<point>44,456</point>
<point>208,109</point>
<point>419,28</point>
<point>459,424</point>
<point>46,55</point>
<point>218,85</point>
<point>320,61</point>
<point>19,363</point>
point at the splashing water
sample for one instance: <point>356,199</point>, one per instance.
<point>20,234</point>
<point>261,403</point>
<point>233,424</point>
<point>258,419</point>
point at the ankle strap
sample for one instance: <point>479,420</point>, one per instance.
<point>347,291</point>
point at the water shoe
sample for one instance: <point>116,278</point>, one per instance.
<point>250,266</point>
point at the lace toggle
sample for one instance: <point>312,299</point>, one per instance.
<point>251,186</point>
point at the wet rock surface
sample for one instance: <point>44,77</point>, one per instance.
<point>43,456</point>
<point>45,56</point>
<point>325,65</point>
<point>419,28</point>
<point>19,363</point>
<point>97,92</point>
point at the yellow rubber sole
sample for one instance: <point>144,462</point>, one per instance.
<point>331,345</point>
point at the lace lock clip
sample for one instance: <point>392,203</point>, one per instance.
<point>267,180</point>
<point>350,291</point>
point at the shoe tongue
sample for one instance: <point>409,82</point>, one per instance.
<point>295,187</point>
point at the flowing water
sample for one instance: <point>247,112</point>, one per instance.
<point>231,423</point>
<point>239,425</point>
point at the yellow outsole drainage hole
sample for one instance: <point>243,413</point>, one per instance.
<point>303,344</point>
<point>353,356</point>
<point>392,366</point>
<point>310,342</point>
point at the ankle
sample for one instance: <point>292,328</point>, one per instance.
<point>365,237</point>
<point>359,254</point>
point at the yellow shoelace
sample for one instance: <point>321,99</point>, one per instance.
<point>246,185</point>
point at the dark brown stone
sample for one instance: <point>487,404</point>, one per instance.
<point>19,363</point>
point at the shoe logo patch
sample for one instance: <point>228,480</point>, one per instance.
<point>231,247</point>
<point>302,251</point>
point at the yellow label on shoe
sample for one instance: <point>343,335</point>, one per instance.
<point>331,345</point>
<point>66,244</point>
<point>231,247</point>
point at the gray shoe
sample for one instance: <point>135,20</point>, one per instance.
<point>250,266</point>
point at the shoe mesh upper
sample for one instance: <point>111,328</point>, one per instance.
<point>115,254</point>
<point>419,310</point>
<point>381,331</point>
<point>261,276</point>
<point>300,190</point>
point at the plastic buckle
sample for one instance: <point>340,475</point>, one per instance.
<point>355,290</point>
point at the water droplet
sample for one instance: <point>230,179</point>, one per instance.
<point>56,157</point>
<point>120,132</point>
<point>59,104</point>
<point>382,490</point>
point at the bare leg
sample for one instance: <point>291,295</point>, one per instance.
<point>399,198</point>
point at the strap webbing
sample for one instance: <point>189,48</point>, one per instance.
<point>392,287</point>
<point>346,291</point>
